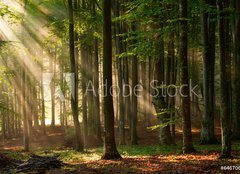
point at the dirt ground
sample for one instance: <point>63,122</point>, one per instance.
<point>201,162</point>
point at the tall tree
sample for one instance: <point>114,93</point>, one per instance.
<point>164,134</point>
<point>84,87</point>
<point>225,76</point>
<point>35,110</point>
<point>74,71</point>
<point>119,51</point>
<point>42,103</point>
<point>144,94</point>
<point>208,35</point>
<point>110,150</point>
<point>134,107</point>
<point>26,138</point>
<point>96,95</point>
<point>185,99</point>
<point>53,54</point>
<point>236,67</point>
<point>96,84</point>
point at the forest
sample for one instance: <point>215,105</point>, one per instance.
<point>119,86</point>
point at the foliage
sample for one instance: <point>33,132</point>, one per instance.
<point>11,14</point>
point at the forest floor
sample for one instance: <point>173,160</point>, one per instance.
<point>148,157</point>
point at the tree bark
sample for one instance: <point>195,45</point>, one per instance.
<point>74,71</point>
<point>225,75</point>
<point>119,51</point>
<point>96,86</point>
<point>160,101</point>
<point>236,72</point>
<point>35,110</point>
<point>84,87</point>
<point>110,150</point>
<point>43,104</point>
<point>26,139</point>
<point>134,102</point>
<point>185,98</point>
<point>52,85</point>
<point>208,29</point>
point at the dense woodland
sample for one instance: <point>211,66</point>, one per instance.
<point>121,74</point>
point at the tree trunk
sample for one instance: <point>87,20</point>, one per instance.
<point>52,70</point>
<point>90,96</point>
<point>185,98</point>
<point>74,71</point>
<point>96,95</point>
<point>29,108</point>
<point>236,72</point>
<point>96,86</point>
<point>134,109</point>
<point>119,50</point>
<point>159,100</point>
<point>110,150</point>
<point>3,113</point>
<point>149,90</point>
<point>35,110</point>
<point>43,104</point>
<point>26,139</point>
<point>126,89</point>
<point>208,29</point>
<point>144,93</point>
<point>84,96</point>
<point>173,91</point>
<point>225,84</point>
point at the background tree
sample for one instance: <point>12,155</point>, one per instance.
<point>74,97</point>
<point>225,67</point>
<point>236,67</point>
<point>208,29</point>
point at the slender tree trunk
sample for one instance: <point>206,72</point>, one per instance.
<point>3,113</point>
<point>15,101</point>
<point>84,96</point>
<point>90,96</point>
<point>144,108</point>
<point>35,110</point>
<point>173,91</point>
<point>52,69</point>
<point>26,139</point>
<point>225,85</point>
<point>159,100</point>
<point>43,105</point>
<point>236,72</point>
<point>84,87</point>
<point>74,71</point>
<point>96,95</point>
<point>62,113</point>
<point>8,115</point>
<point>208,29</point>
<point>110,150</point>
<point>29,106</point>
<point>96,86</point>
<point>116,97</point>
<point>185,100</point>
<point>149,90</point>
<point>126,89</point>
<point>119,50</point>
<point>134,103</point>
